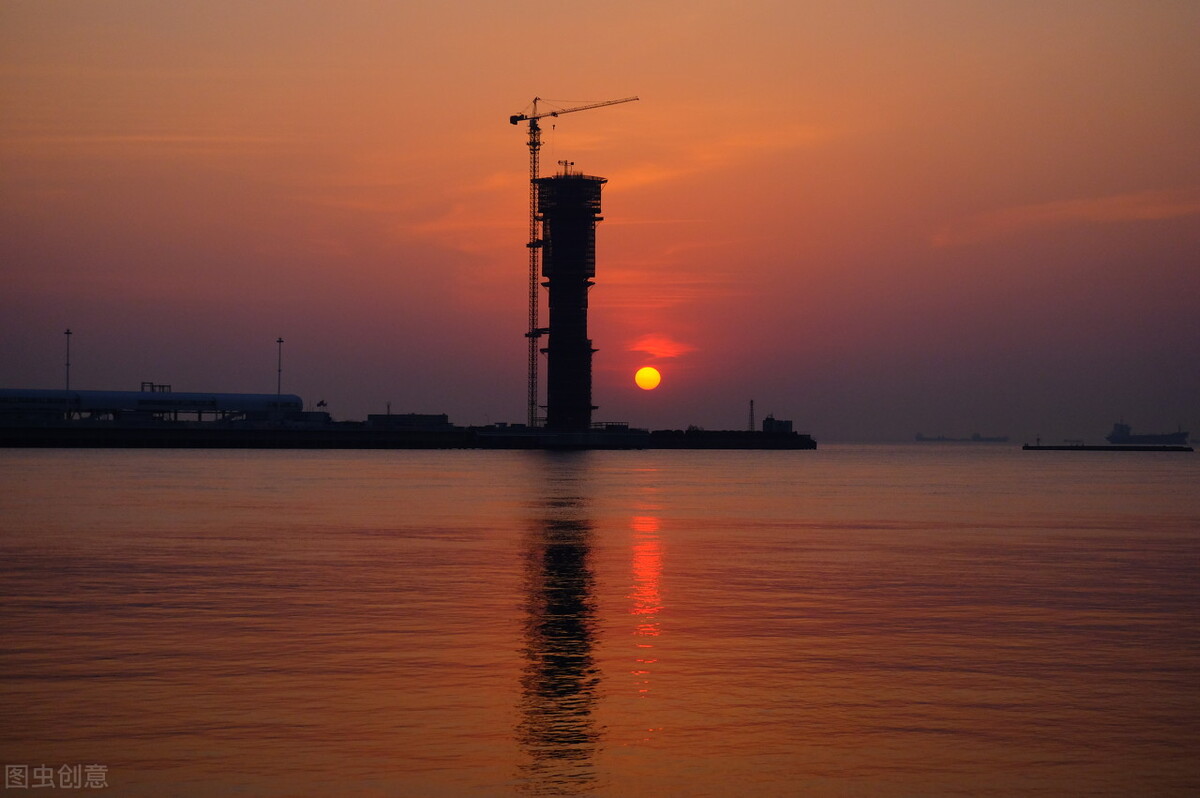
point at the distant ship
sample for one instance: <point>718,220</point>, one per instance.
<point>976,438</point>
<point>1121,436</point>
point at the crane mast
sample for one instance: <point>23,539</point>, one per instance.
<point>535,239</point>
<point>535,248</point>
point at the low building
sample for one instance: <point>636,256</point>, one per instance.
<point>29,405</point>
<point>776,426</point>
<point>412,421</point>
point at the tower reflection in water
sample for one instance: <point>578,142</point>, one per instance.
<point>557,731</point>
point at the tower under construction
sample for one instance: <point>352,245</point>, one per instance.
<point>569,206</point>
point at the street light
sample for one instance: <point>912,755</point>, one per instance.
<point>68,334</point>
<point>279,373</point>
<point>67,392</point>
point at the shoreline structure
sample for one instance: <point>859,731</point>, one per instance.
<point>157,417</point>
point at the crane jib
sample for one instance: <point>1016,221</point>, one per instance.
<point>515,118</point>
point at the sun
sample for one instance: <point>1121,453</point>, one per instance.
<point>647,378</point>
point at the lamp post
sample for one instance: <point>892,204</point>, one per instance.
<point>68,334</point>
<point>67,392</point>
<point>279,373</point>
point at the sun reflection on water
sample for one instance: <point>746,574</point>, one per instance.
<point>646,596</point>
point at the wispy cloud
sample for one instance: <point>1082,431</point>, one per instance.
<point>657,345</point>
<point>708,154</point>
<point>639,289</point>
<point>1138,206</point>
<point>141,138</point>
<point>139,146</point>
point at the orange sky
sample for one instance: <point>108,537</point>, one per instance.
<point>874,218</point>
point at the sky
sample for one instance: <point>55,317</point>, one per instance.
<point>871,218</point>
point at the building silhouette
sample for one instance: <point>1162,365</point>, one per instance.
<point>569,205</point>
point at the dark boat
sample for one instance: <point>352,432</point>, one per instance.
<point>1122,436</point>
<point>1081,447</point>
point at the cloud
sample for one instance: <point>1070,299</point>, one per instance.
<point>143,139</point>
<point>139,146</point>
<point>652,174</point>
<point>698,156</point>
<point>646,290</point>
<point>1138,206</point>
<point>657,345</point>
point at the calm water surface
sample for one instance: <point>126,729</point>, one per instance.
<point>858,620</point>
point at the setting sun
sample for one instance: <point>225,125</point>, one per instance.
<point>647,378</point>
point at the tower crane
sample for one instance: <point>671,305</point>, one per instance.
<point>535,240</point>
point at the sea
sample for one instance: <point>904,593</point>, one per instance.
<point>858,620</point>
